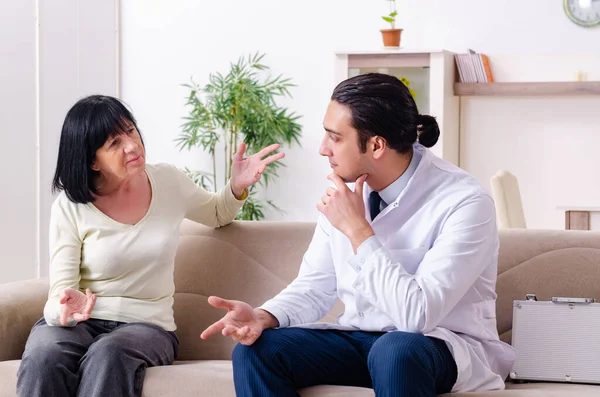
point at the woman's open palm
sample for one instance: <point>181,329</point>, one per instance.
<point>76,304</point>
<point>246,171</point>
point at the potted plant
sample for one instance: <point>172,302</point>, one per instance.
<point>391,37</point>
<point>239,106</point>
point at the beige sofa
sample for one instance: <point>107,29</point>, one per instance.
<point>252,261</point>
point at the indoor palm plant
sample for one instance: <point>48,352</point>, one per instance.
<point>239,106</point>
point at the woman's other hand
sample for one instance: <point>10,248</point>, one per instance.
<point>75,304</point>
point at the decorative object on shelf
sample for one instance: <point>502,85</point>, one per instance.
<point>391,37</point>
<point>585,13</point>
<point>239,106</point>
<point>406,82</point>
<point>473,68</point>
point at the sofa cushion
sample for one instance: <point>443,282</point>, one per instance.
<point>213,378</point>
<point>8,378</point>
<point>537,390</point>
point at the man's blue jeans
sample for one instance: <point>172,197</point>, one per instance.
<point>96,358</point>
<point>395,364</point>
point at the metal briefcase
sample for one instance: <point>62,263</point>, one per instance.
<point>556,340</point>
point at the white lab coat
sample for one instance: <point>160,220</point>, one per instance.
<point>432,271</point>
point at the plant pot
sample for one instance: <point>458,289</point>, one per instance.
<point>391,37</point>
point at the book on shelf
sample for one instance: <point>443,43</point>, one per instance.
<point>473,68</point>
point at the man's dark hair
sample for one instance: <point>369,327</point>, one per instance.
<point>381,105</point>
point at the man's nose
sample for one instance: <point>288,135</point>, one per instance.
<point>323,149</point>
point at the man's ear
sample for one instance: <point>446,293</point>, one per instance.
<point>378,146</point>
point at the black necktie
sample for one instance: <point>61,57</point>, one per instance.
<point>374,204</point>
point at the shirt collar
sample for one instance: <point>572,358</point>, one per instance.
<point>393,190</point>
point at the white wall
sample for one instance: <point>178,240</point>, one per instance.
<point>53,53</point>
<point>18,166</point>
<point>551,143</point>
<point>162,46</point>
<point>77,57</point>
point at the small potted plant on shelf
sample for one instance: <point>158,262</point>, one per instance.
<point>391,37</point>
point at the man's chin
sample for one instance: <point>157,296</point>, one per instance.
<point>347,178</point>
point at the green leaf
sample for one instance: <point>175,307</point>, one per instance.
<point>240,105</point>
<point>200,178</point>
<point>388,19</point>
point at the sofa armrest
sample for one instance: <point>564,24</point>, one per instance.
<point>21,305</point>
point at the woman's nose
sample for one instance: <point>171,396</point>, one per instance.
<point>130,145</point>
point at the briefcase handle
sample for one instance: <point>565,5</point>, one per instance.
<point>559,299</point>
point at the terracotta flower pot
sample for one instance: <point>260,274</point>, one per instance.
<point>391,37</point>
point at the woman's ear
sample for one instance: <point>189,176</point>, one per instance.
<point>94,167</point>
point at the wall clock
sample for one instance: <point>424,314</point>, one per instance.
<point>584,13</point>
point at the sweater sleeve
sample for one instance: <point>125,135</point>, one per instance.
<point>65,259</point>
<point>210,209</point>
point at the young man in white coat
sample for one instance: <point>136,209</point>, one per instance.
<point>412,253</point>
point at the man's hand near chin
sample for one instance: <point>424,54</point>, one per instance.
<point>345,210</point>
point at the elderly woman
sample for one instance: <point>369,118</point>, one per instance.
<point>113,236</point>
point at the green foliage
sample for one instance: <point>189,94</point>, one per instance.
<point>200,178</point>
<point>391,17</point>
<point>235,107</point>
<point>406,82</point>
<point>252,210</point>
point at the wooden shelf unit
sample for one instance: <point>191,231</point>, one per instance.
<point>528,89</point>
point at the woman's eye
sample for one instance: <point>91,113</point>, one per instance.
<point>130,131</point>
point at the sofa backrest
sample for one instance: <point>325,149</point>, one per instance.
<point>248,261</point>
<point>546,263</point>
<point>253,261</point>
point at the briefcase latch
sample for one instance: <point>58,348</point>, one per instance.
<point>530,297</point>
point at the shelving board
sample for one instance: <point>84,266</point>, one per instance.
<point>528,89</point>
